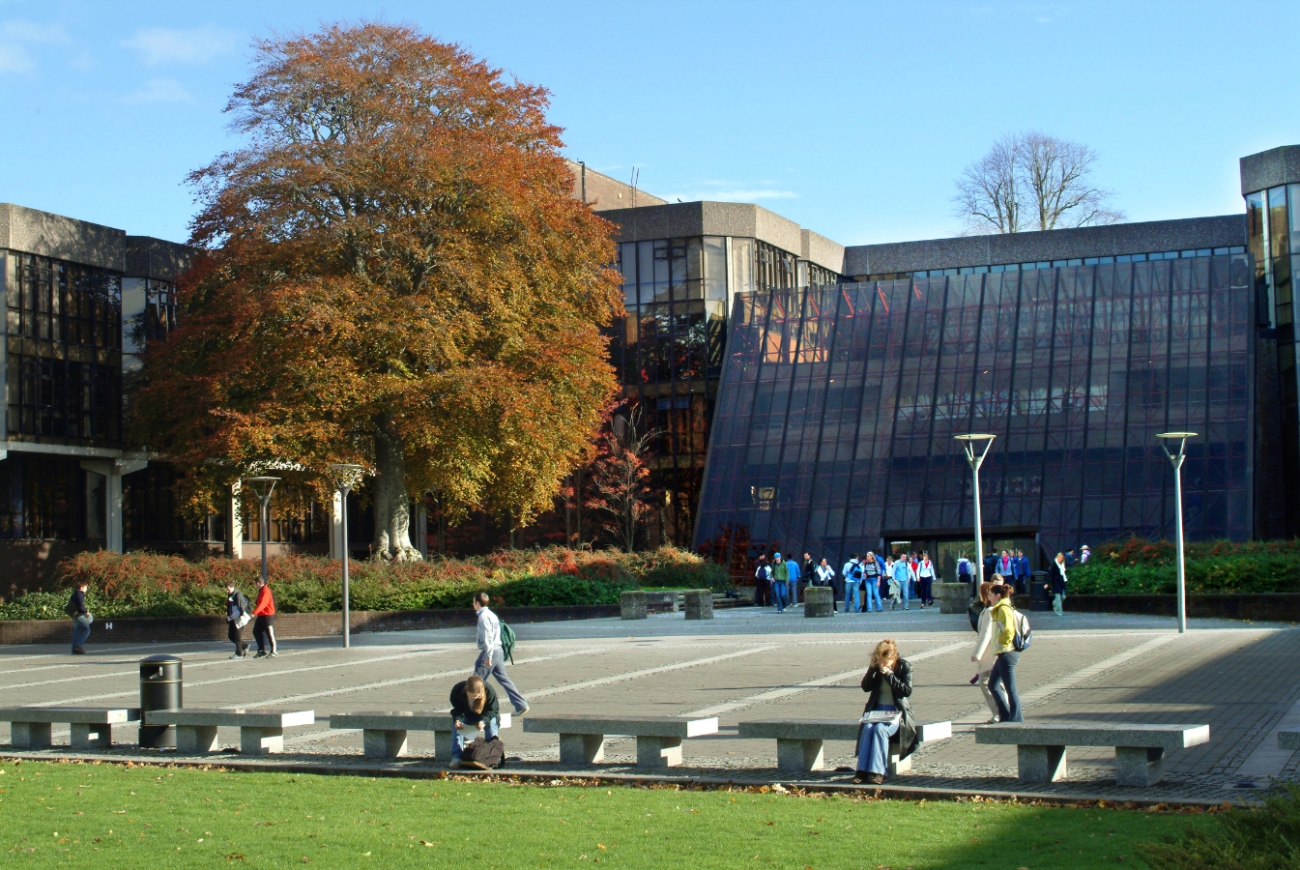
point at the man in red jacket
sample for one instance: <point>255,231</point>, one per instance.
<point>264,621</point>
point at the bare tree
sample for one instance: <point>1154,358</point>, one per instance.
<point>1032,181</point>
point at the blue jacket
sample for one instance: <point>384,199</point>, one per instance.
<point>794,570</point>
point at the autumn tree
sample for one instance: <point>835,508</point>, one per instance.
<point>619,479</point>
<point>1032,181</point>
<point>392,272</point>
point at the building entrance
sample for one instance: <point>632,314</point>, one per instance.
<point>946,546</point>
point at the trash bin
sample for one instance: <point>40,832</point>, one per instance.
<point>1039,598</point>
<point>160,689</point>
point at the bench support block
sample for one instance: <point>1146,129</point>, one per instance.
<point>260,741</point>
<point>899,765</point>
<point>85,736</point>
<point>30,735</point>
<point>658,752</point>
<point>196,739</point>
<point>1042,763</point>
<point>1137,766</point>
<point>385,744</point>
<point>580,750</point>
<point>799,756</point>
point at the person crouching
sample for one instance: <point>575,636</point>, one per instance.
<point>473,702</point>
<point>888,682</point>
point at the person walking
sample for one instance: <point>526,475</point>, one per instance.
<point>762,583</point>
<point>985,655</point>
<point>1005,567</point>
<point>852,585</point>
<point>888,684</point>
<point>237,616</point>
<point>826,577</point>
<point>925,579</point>
<point>780,583</point>
<point>871,583</point>
<point>792,582</point>
<point>1002,679</point>
<point>81,618</point>
<point>903,577</point>
<point>1085,554</point>
<point>264,621</point>
<point>1057,583</point>
<point>473,702</point>
<point>492,658</point>
<point>965,571</point>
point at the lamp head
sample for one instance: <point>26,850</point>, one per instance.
<point>344,475</point>
<point>1176,436</point>
<point>976,445</point>
<point>263,486</point>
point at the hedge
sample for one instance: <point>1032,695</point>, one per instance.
<point>1143,567</point>
<point>150,584</point>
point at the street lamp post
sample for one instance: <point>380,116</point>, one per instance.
<point>1176,460</point>
<point>263,487</point>
<point>345,477</point>
<point>976,447</point>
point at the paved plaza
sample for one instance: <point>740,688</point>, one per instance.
<point>752,663</point>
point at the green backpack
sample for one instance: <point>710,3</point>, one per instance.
<point>508,642</point>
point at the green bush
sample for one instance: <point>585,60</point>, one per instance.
<point>1139,566</point>
<point>150,584</point>
<point>1264,838</point>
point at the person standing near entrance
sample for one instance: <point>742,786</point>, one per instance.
<point>762,583</point>
<point>871,583</point>
<point>81,618</point>
<point>807,574</point>
<point>903,577</point>
<point>264,621</point>
<point>925,579</point>
<point>852,574</point>
<point>491,657</point>
<point>825,576</point>
<point>792,582</point>
<point>1020,567</point>
<point>965,570</point>
<point>780,582</point>
<point>1057,585</point>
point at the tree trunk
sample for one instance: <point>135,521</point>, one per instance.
<point>392,504</point>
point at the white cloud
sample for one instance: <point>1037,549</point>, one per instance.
<point>160,91</point>
<point>17,37</point>
<point>158,45</point>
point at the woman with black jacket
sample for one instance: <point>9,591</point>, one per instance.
<point>888,682</point>
<point>473,702</point>
<point>1056,574</point>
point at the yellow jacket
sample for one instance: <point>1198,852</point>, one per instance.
<point>1004,614</point>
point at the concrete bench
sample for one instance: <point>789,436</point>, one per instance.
<point>799,742</point>
<point>261,731</point>
<point>1139,749</point>
<point>383,735</point>
<point>92,727</point>
<point>658,738</point>
<point>1288,740</point>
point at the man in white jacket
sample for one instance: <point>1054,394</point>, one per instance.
<point>491,657</point>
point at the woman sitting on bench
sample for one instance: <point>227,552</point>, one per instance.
<point>472,703</point>
<point>888,682</point>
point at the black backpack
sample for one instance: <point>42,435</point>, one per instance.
<point>490,753</point>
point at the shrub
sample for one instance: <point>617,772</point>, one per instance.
<point>1264,838</point>
<point>1140,566</point>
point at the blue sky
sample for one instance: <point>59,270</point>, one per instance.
<point>851,118</point>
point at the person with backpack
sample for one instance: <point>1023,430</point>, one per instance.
<point>762,583</point>
<point>985,654</point>
<point>81,618</point>
<point>492,656</point>
<point>473,702</point>
<point>852,585</point>
<point>1010,631</point>
<point>871,583</point>
<point>264,621</point>
<point>780,582</point>
<point>965,571</point>
<point>237,616</point>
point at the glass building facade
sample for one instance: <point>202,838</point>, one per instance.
<point>839,403</point>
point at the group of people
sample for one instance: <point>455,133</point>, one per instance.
<point>863,584</point>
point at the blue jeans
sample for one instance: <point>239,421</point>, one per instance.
<point>498,670</point>
<point>1002,685</point>
<point>873,744</point>
<point>905,590</point>
<point>872,588</point>
<point>80,631</point>
<point>780,594</point>
<point>852,596</point>
<point>458,742</point>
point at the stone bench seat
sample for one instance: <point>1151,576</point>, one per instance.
<point>658,738</point>
<point>261,730</point>
<point>799,742</point>
<point>92,727</point>
<point>384,734</point>
<point>1139,749</point>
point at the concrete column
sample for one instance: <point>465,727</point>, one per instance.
<point>235,524</point>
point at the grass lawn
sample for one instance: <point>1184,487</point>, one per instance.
<point>110,816</point>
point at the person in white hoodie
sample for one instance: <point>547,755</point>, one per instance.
<point>491,657</point>
<point>985,649</point>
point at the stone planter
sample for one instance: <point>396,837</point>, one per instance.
<point>819,602</point>
<point>632,605</point>
<point>699,603</point>
<point>953,597</point>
